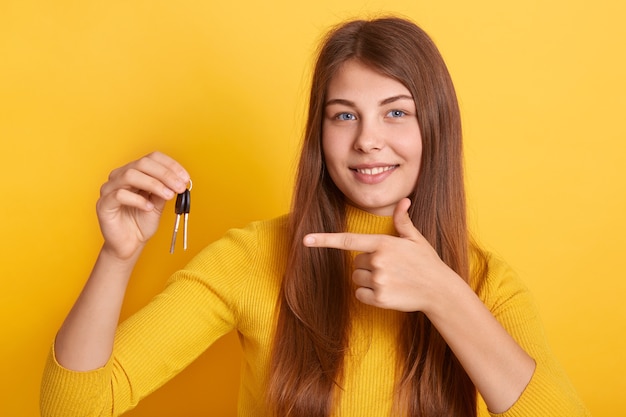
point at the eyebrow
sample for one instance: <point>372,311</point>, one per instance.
<point>381,103</point>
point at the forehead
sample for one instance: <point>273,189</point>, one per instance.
<point>355,80</point>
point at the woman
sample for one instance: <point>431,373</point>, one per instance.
<point>367,299</point>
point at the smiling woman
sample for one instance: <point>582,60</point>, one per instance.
<point>371,138</point>
<point>368,298</point>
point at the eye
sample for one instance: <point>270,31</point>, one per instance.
<point>345,116</point>
<point>396,113</point>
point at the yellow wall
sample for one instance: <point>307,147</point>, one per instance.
<point>86,86</point>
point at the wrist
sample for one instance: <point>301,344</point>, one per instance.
<point>118,261</point>
<point>448,293</point>
<point>120,255</point>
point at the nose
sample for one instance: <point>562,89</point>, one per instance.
<point>369,137</point>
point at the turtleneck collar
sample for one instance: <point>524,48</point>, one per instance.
<point>360,221</point>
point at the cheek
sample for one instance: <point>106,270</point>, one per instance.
<point>409,145</point>
<point>331,149</point>
<point>415,146</point>
<point>328,157</point>
<point>417,162</point>
<point>326,152</point>
<point>412,152</point>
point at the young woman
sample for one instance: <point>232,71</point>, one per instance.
<point>368,299</point>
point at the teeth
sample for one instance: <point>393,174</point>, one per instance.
<point>374,171</point>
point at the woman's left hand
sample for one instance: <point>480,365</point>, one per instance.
<point>405,273</point>
<point>402,273</point>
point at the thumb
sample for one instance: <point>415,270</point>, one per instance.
<point>402,221</point>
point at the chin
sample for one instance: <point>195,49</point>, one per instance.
<point>377,209</point>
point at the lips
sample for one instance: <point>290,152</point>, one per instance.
<point>372,174</point>
<point>375,170</point>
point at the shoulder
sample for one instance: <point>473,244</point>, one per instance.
<point>272,233</point>
<point>269,227</point>
<point>254,241</point>
<point>497,284</point>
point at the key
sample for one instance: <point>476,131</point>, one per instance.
<point>183,203</point>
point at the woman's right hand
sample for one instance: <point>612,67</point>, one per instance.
<point>132,200</point>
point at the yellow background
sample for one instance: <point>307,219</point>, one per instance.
<point>221,86</point>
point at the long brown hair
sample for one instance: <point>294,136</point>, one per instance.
<point>314,308</point>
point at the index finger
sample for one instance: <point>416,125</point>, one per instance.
<point>168,168</point>
<point>345,241</point>
<point>155,173</point>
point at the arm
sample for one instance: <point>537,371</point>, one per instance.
<point>496,363</point>
<point>404,273</point>
<point>550,391</point>
<point>129,209</point>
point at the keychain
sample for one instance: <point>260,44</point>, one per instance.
<point>183,203</point>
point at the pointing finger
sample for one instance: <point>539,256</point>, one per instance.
<point>344,241</point>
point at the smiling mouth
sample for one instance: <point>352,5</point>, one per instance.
<point>375,170</point>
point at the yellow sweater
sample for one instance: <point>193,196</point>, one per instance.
<point>233,284</point>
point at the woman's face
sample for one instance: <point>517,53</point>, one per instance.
<point>370,138</point>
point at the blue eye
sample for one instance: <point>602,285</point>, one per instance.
<point>346,116</point>
<point>396,113</point>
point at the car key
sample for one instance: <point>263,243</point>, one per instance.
<point>183,204</point>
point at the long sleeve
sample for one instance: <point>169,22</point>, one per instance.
<point>235,284</point>
<point>199,304</point>
<point>549,392</point>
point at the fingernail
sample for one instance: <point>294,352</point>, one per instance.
<point>309,240</point>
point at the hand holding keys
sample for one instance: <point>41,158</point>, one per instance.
<point>183,203</point>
